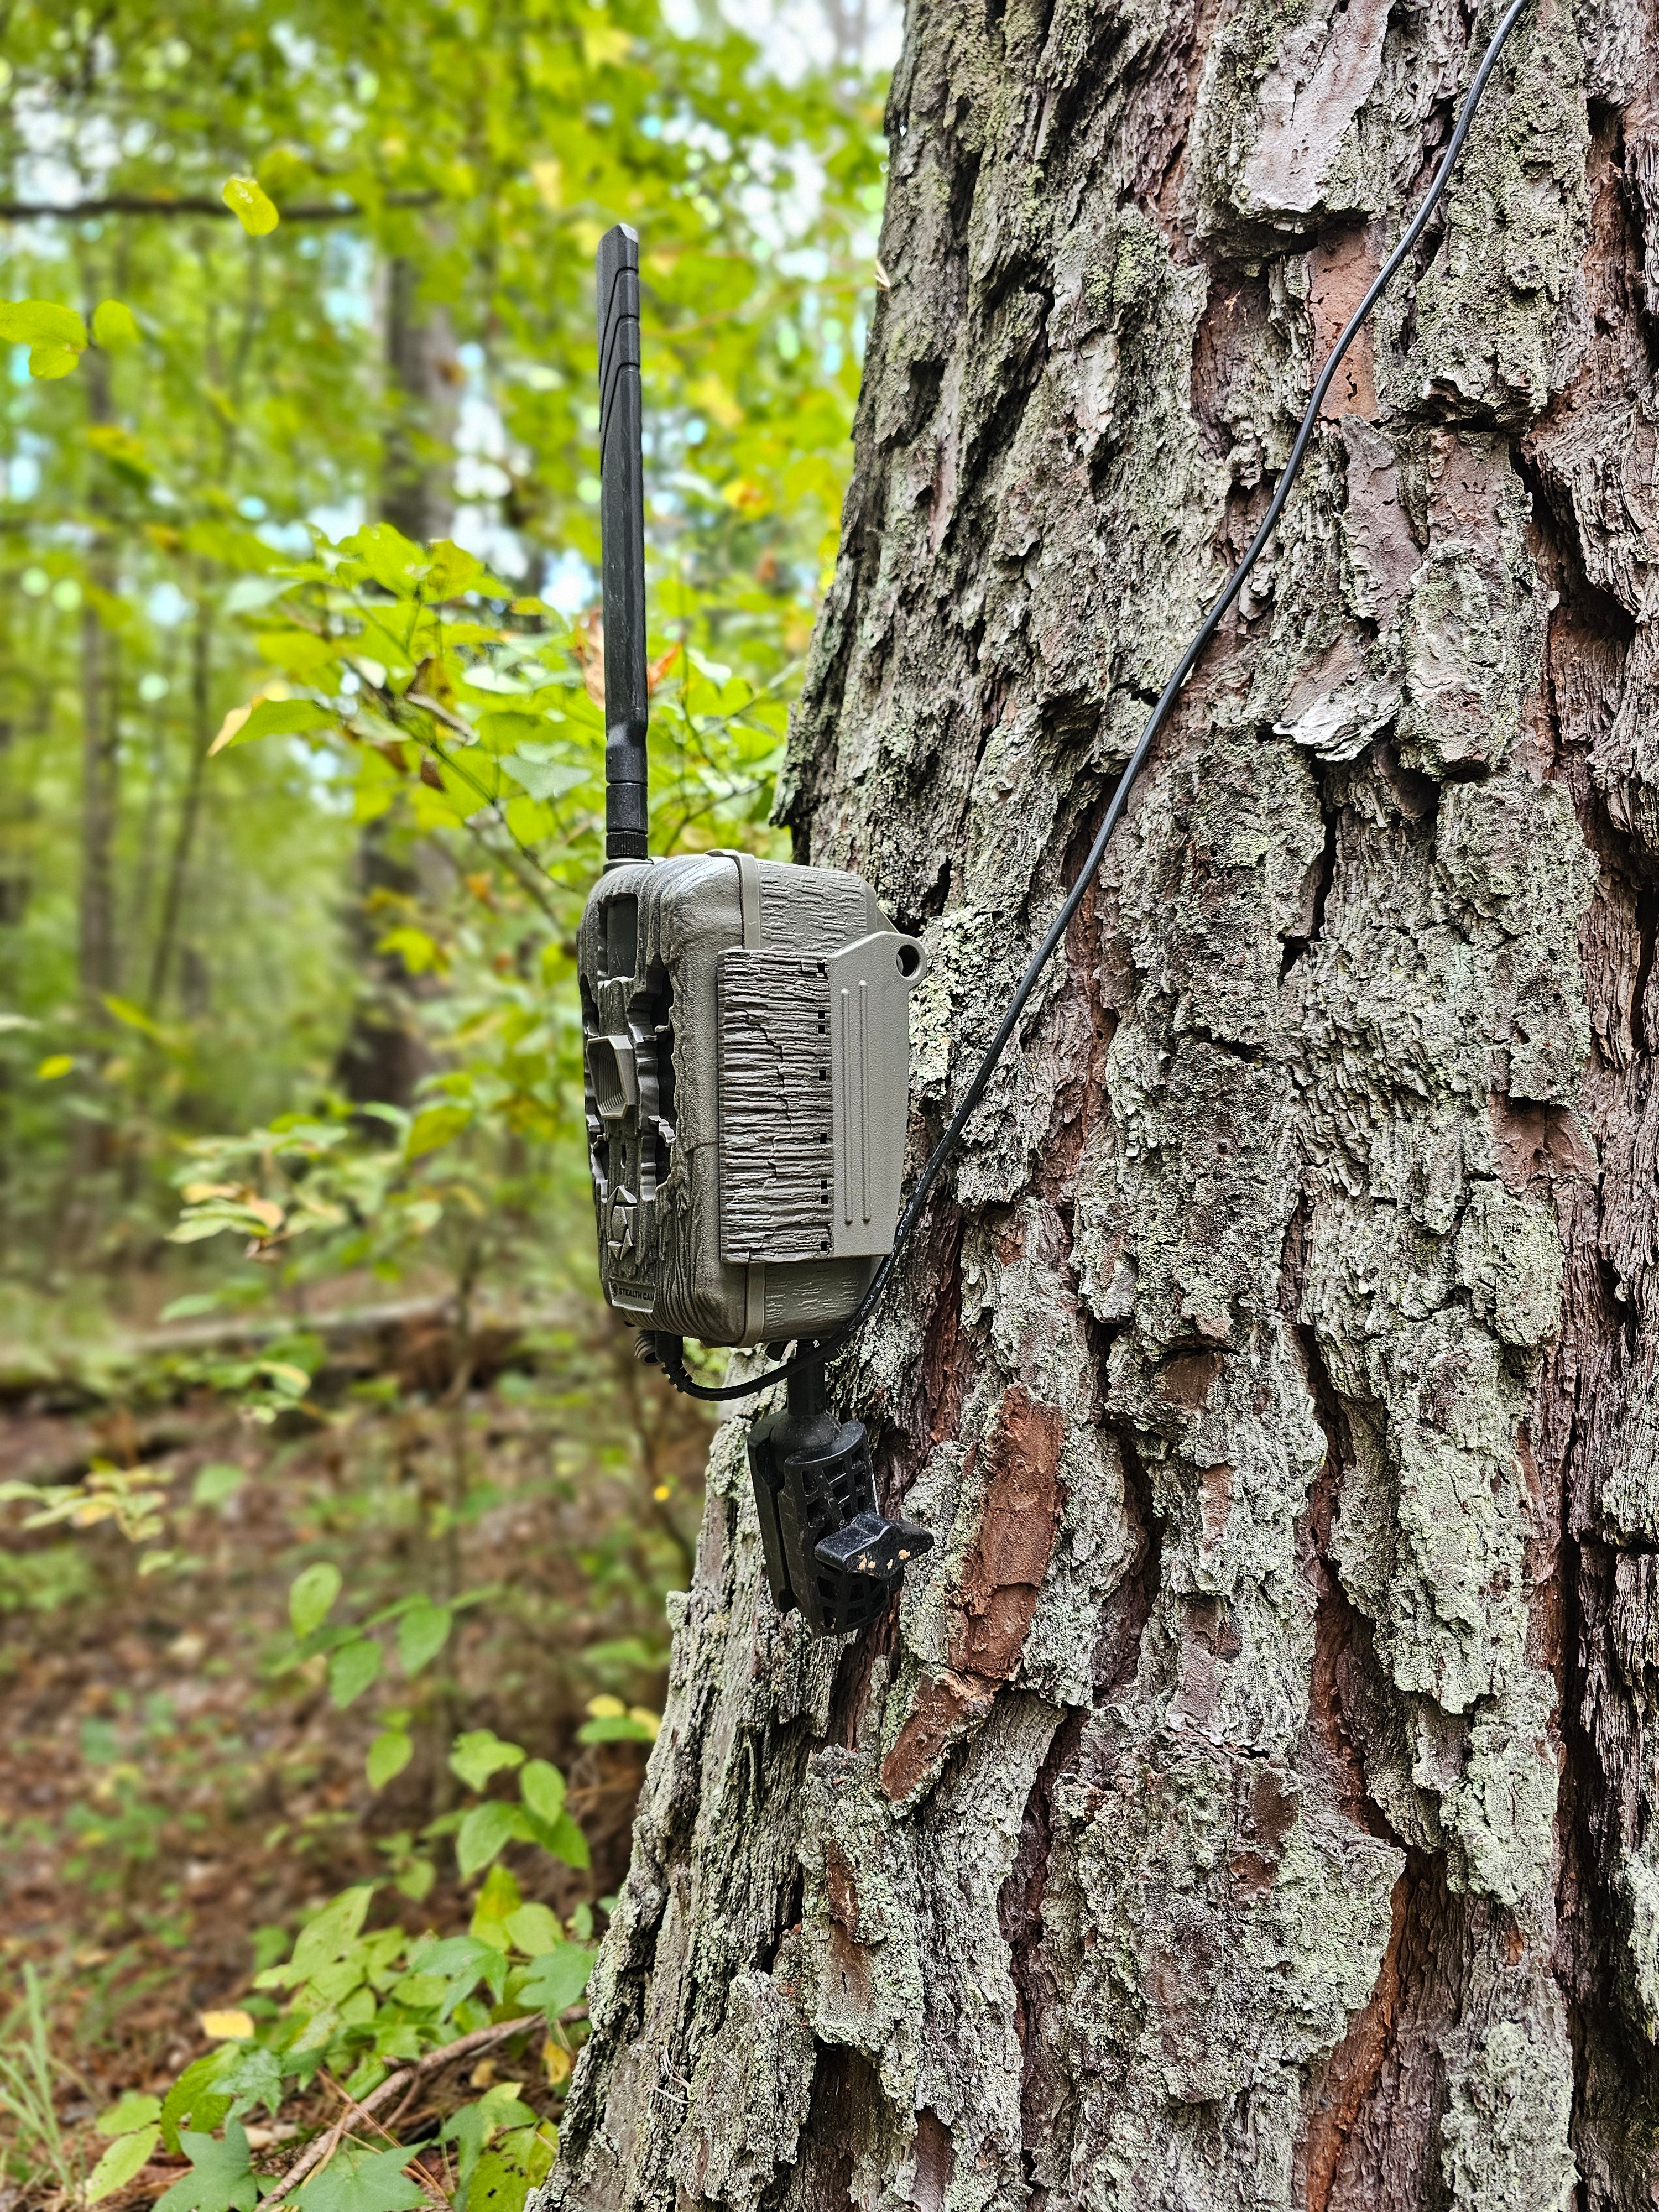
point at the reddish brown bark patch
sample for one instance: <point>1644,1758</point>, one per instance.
<point>1187,1382</point>
<point>1005,1568</point>
<point>936,2162</point>
<point>945,1709</point>
<point>1338,276</point>
<point>1537,1144</point>
<point>1352,2069</point>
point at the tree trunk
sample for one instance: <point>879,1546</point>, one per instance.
<point>384,1054</point>
<point>101,739</point>
<point>1251,1801</point>
<point>190,809</point>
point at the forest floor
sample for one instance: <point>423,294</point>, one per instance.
<point>175,1800</point>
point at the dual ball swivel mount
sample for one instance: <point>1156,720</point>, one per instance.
<point>746,1043</point>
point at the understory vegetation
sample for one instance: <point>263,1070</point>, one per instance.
<point>337,1521</point>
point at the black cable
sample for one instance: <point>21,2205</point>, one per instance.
<point>815,1354</point>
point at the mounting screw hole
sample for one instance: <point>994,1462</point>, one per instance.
<point>908,960</point>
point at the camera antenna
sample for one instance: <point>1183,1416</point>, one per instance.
<point>622,542</point>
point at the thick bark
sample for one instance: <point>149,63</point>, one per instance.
<point>1252,1800</point>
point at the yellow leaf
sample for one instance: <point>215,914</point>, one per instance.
<point>605,42</point>
<point>548,178</point>
<point>233,2026</point>
<point>227,729</point>
<point>713,397</point>
<point>114,325</point>
<point>56,1064</point>
<point>606,1707</point>
<point>47,361</point>
<point>266,1210</point>
<point>252,206</point>
<point>41,322</point>
<point>745,495</point>
<point>558,2062</point>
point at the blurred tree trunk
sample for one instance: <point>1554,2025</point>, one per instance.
<point>190,809</point>
<point>383,1057</point>
<point>101,739</point>
<point>417,491</point>
<point>1254,1800</point>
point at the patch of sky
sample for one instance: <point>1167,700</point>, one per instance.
<point>22,477</point>
<point>338,519</point>
<point>167,605</point>
<point>568,583</point>
<point>481,531</point>
<point>291,537</point>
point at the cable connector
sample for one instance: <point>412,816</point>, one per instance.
<point>829,1550</point>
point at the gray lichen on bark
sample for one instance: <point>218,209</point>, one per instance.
<point>1251,1801</point>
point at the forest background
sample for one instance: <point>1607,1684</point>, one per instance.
<point>337,1526</point>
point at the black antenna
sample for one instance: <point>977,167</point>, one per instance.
<point>622,543</point>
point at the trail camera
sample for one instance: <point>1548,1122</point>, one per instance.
<point>747,1050</point>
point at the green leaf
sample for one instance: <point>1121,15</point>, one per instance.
<point>220,2180</point>
<point>123,2158</point>
<point>487,1829</point>
<point>357,2179</point>
<point>41,322</point>
<point>499,1898</point>
<point>422,1634</point>
<point>251,205</point>
<point>615,1728</point>
<point>388,1755</point>
<point>546,779</point>
<point>48,361</point>
<point>557,1979</point>
<point>460,1960</point>
<point>452,571</point>
<point>542,1787</point>
<point>561,1838</point>
<point>534,1930</point>
<point>311,1595</point>
<point>216,1482</point>
<point>133,2110</point>
<point>508,2170</point>
<point>391,560</point>
<point>420,1992</point>
<point>328,1935</point>
<point>481,1753</point>
<point>505,728</point>
<point>352,1668</point>
<point>254,2078</point>
<point>113,324</point>
<point>435,1126</point>
<point>196,2095</point>
<point>277,718</point>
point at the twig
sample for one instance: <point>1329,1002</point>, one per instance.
<point>424,2182</point>
<point>325,2146</point>
<point>186,204</point>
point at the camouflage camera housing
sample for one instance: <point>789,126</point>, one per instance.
<point>746,1042</point>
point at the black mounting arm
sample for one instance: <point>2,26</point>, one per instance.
<point>622,540</point>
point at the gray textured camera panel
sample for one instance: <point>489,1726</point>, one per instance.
<point>686,1178</point>
<point>777,1159</point>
